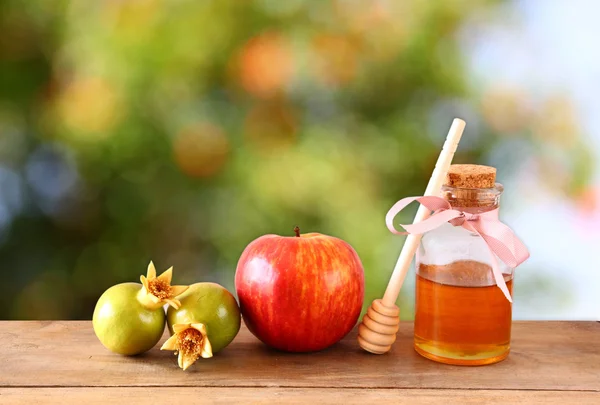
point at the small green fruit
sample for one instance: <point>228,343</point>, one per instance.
<point>123,324</point>
<point>212,305</point>
<point>129,318</point>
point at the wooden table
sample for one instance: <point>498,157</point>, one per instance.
<point>61,362</point>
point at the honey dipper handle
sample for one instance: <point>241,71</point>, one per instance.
<point>433,188</point>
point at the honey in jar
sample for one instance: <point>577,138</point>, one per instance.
<point>472,326</point>
<point>461,316</point>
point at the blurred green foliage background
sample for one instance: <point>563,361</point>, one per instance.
<point>178,131</point>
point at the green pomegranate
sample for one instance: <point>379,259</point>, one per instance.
<point>129,318</point>
<point>205,323</point>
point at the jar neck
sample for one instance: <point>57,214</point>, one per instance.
<point>473,200</point>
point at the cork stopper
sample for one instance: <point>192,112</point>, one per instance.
<point>471,176</point>
<point>472,188</point>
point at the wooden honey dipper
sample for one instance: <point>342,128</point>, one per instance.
<point>377,332</point>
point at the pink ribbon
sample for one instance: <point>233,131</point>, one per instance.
<point>499,238</point>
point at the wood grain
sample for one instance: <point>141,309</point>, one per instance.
<point>292,396</point>
<point>545,356</point>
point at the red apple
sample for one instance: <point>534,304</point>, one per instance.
<point>302,293</point>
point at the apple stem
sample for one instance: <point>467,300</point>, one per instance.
<point>297,230</point>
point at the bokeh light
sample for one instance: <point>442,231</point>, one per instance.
<point>201,150</point>
<point>90,108</point>
<point>266,64</point>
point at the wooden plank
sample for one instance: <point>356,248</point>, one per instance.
<point>545,356</point>
<point>138,395</point>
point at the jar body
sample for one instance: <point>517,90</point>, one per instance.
<point>461,316</point>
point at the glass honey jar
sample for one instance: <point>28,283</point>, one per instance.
<point>461,316</point>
